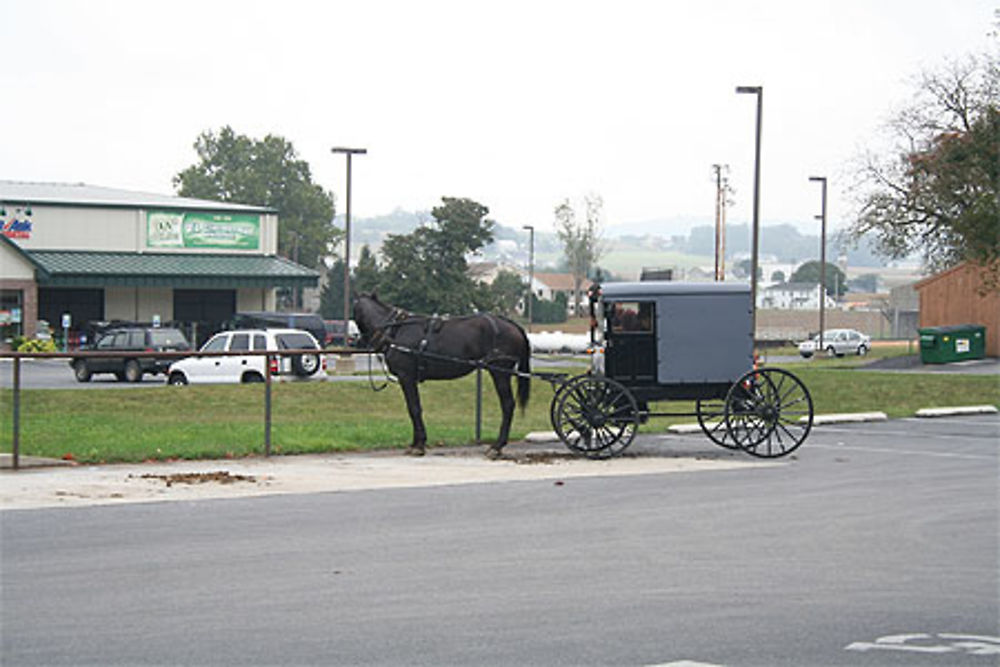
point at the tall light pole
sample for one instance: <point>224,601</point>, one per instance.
<point>531,270</point>
<point>759,92</point>
<point>822,261</point>
<point>347,236</point>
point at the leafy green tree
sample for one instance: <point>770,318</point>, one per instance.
<point>836,280</point>
<point>331,297</point>
<point>366,275</point>
<point>937,191</point>
<point>778,276</point>
<point>507,291</point>
<point>427,271</point>
<point>265,172</point>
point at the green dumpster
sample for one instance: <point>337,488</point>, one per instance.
<point>943,345</point>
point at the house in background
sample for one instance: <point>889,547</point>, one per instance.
<point>957,296</point>
<point>547,285</point>
<point>793,296</point>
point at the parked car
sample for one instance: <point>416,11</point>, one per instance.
<point>335,333</point>
<point>266,319</point>
<point>837,342</point>
<point>130,339</point>
<point>250,368</point>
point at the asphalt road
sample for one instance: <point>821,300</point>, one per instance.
<point>876,545</point>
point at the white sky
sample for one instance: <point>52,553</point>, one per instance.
<point>514,104</point>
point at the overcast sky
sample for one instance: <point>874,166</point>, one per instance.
<point>515,104</point>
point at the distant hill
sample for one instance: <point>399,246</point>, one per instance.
<point>678,241</point>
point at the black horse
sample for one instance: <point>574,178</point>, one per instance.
<point>418,348</point>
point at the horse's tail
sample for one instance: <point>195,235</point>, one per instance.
<point>524,368</point>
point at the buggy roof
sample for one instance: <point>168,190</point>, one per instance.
<point>655,288</point>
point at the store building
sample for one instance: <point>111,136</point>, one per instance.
<point>74,254</point>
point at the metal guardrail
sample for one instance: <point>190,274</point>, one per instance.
<point>16,358</point>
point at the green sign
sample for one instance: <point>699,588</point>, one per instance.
<point>234,231</point>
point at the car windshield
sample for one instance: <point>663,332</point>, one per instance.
<point>295,341</point>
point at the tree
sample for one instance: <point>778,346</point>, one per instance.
<point>507,290</point>
<point>331,297</point>
<point>366,275</point>
<point>427,270</point>
<point>778,276</point>
<point>266,172</point>
<point>937,192</point>
<point>836,280</point>
<point>581,241</point>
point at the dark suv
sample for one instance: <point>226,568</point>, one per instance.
<point>130,339</point>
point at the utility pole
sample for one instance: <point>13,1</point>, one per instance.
<point>347,237</point>
<point>822,261</point>
<point>721,192</point>
<point>531,270</point>
<point>758,91</point>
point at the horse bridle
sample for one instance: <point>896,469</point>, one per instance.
<point>381,336</point>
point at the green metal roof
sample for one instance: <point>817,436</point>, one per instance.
<point>71,268</point>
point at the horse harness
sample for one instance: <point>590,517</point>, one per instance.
<point>383,339</point>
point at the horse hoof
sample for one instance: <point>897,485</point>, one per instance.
<point>493,453</point>
<point>415,451</point>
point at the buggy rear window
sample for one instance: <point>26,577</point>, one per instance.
<point>295,341</point>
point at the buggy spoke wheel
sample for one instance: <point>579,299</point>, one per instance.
<point>769,412</point>
<point>595,416</point>
<point>712,420</point>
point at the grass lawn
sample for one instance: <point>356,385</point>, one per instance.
<point>228,420</point>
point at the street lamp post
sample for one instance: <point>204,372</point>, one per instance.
<point>759,92</point>
<point>531,270</point>
<point>347,237</point>
<point>822,259</point>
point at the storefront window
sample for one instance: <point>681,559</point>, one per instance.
<point>11,314</point>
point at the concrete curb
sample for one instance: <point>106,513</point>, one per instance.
<point>958,410</point>
<point>541,436</point>
<point>848,418</point>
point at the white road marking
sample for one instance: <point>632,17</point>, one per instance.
<point>954,643</point>
<point>889,450</point>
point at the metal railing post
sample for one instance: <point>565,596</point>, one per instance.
<point>15,460</point>
<point>267,405</point>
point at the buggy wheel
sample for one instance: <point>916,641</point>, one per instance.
<point>769,412</point>
<point>712,420</point>
<point>595,416</point>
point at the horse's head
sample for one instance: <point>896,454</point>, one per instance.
<point>370,314</point>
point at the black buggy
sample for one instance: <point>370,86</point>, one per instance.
<point>667,341</point>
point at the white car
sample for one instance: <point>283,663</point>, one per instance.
<point>837,342</point>
<point>250,368</point>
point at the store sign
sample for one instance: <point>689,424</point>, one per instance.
<point>232,231</point>
<point>16,223</point>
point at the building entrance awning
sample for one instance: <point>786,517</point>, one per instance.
<point>70,268</point>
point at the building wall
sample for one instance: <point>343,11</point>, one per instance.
<point>255,299</point>
<point>797,325</point>
<point>15,266</point>
<point>139,304</point>
<point>952,298</point>
<point>116,230</point>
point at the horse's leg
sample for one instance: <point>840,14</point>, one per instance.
<point>501,381</point>
<point>419,444</point>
